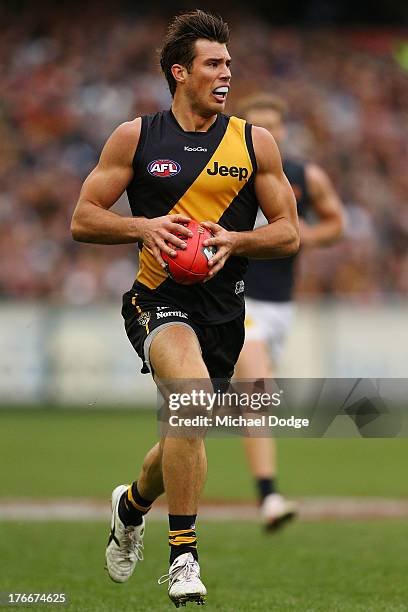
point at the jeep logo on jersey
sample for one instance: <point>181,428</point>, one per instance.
<point>163,168</point>
<point>240,173</point>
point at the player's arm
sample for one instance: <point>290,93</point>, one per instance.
<point>280,238</point>
<point>327,206</point>
<point>93,221</point>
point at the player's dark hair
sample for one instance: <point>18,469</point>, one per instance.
<point>181,35</point>
<point>262,101</point>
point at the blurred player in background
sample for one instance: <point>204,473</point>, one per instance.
<point>189,162</point>
<point>269,293</point>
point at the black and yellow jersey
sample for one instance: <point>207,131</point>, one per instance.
<point>206,176</point>
<point>272,280</point>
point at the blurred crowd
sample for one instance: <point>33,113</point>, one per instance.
<point>67,80</point>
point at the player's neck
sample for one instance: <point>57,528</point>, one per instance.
<point>189,120</point>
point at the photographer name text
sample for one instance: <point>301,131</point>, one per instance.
<point>238,421</point>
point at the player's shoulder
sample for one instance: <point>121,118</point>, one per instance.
<point>265,148</point>
<point>122,143</point>
<point>258,134</point>
<point>127,132</point>
<point>262,139</point>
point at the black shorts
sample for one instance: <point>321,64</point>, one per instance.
<point>220,344</point>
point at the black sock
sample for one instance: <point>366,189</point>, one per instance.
<point>182,535</point>
<point>265,486</point>
<point>132,506</point>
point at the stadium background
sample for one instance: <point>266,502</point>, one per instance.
<point>75,416</point>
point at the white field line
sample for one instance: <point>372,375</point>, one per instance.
<point>310,509</point>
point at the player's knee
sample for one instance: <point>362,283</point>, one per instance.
<point>175,353</point>
<point>180,335</point>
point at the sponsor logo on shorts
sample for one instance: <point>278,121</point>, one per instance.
<point>239,172</point>
<point>239,286</point>
<point>164,168</point>
<point>171,313</point>
<point>201,149</point>
<point>144,318</point>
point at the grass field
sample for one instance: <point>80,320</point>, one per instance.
<point>340,566</point>
<point>346,567</point>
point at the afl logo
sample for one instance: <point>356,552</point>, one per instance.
<point>163,168</point>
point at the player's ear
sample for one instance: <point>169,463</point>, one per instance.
<point>179,73</point>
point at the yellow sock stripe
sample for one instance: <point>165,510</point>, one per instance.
<point>180,531</point>
<point>183,537</point>
<point>134,503</point>
<point>182,540</point>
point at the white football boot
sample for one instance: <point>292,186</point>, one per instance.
<point>125,544</point>
<point>184,581</point>
<point>276,511</point>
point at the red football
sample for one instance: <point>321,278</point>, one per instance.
<point>190,265</point>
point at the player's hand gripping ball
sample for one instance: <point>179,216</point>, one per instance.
<point>190,265</point>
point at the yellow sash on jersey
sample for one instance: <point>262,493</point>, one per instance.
<point>209,196</point>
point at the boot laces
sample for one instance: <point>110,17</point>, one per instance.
<point>132,549</point>
<point>184,572</point>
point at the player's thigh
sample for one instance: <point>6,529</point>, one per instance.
<point>175,353</point>
<point>179,370</point>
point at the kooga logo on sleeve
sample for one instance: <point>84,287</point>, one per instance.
<point>163,168</point>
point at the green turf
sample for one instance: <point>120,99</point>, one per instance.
<point>336,567</point>
<point>85,453</point>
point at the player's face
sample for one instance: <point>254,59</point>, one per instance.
<point>208,82</point>
<point>269,119</point>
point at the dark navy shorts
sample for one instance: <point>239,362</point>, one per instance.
<point>220,344</point>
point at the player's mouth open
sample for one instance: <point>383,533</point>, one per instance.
<point>220,93</point>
